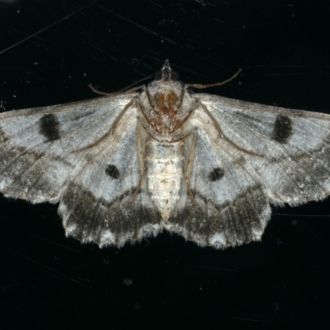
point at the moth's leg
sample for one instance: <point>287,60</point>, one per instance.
<point>147,118</point>
<point>153,107</point>
<point>179,123</point>
<point>187,170</point>
<point>115,123</point>
<point>111,130</point>
<point>222,135</point>
<point>140,153</point>
<point>200,86</point>
<point>151,102</point>
<point>179,101</point>
<point>180,138</point>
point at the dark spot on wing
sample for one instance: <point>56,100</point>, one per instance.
<point>112,171</point>
<point>282,129</point>
<point>216,174</point>
<point>49,127</point>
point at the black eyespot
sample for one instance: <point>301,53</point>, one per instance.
<point>216,174</point>
<point>282,129</point>
<point>49,127</point>
<point>112,171</point>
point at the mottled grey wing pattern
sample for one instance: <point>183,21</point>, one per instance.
<point>37,145</point>
<point>100,202</point>
<point>285,159</point>
<point>40,161</point>
<point>232,204</point>
<point>294,149</point>
<point>124,167</point>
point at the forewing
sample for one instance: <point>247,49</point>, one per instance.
<point>37,146</point>
<point>41,160</point>
<point>294,161</point>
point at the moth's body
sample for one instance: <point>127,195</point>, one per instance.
<point>164,168</point>
<point>127,166</point>
<point>165,106</point>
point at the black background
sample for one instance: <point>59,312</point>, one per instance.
<point>50,51</point>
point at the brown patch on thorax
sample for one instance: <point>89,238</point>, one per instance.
<point>166,109</point>
<point>166,103</point>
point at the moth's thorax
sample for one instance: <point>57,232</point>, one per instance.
<point>165,105</point>
<point>164,172</point>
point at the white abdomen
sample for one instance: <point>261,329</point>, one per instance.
<point>164,168</point>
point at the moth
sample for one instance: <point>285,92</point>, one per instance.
<point>161,157</point>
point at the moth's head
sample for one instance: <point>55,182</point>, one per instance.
<point>165,101</point>
<point>166,73</point>
<point>165,83</point>
<point>165,91</point>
